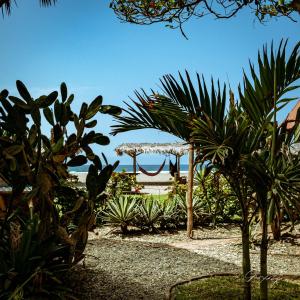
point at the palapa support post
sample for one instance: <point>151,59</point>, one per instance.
<point>189,193</point>
<point>178,165</point>
<point>134,163</point>
<point>134,155</point>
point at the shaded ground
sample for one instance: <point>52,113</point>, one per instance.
<point>145,266</point>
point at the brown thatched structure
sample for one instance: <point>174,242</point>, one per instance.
<point>292,116</point>
<point>135,149</point>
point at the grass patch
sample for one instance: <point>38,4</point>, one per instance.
<point>161,198</point>
<point>231,287</point>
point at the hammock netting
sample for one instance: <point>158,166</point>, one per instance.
<point>152,174</point>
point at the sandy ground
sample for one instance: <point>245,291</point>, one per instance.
<point>156,185</point>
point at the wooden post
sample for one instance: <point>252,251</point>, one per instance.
<point>178,165</point>
<point>189,193</point>
<point>134,163</point>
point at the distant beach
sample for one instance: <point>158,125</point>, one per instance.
<point>163,177</point>
<point>129,168</point>
<point>159,184</point>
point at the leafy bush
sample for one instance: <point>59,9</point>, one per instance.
<point>216,197</point>
<point>121,182</point>
<point>32,260</point>
<point>39,232</point>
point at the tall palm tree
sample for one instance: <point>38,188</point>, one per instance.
<point>222,146</point>
<point>233,141</point>
<point>174,111</point>
<point>251,150</point>
<point>7,4</point>
<point>262,98</point>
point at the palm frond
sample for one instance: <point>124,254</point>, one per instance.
<point>6,5</point>
<point>175,109</point>
<point>274,68</point>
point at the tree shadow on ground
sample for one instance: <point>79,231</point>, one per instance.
<point>121,269</point>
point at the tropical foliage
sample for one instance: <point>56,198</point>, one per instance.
<point>122,182</point>
<point>152,214</point>
<point>174,111</point>
<point>251,149</point>
<point>245,144</point>
<point>40,235</point>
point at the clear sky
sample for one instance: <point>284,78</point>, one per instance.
<point>83,44</point>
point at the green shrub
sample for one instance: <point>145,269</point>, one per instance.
<point>121,182</point>
<point>32,260</point>
<point>216,197</point>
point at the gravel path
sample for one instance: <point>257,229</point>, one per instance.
<point>145,266</point>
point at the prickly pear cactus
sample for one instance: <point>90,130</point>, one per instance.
<point>31,159</point>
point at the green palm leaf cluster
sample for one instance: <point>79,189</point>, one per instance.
<point>276,76</point>
<point>250,148</point>
<point>175,108</point>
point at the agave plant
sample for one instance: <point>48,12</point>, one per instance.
<point>149,213</point>
<point>169,214</point>
<point>199,213</point>
<point>121,211</point>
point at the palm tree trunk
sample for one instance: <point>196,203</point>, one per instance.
<point>263,257</point>
<point>189,194</point>
<point>246,260</point>
<point>236,184</point>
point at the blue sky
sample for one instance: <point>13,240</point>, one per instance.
<point>83,44</point>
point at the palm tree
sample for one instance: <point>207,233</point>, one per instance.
<point>7,4</point>
<point>276,176</point>
<point>174,111</point>
<point>222,147</point>
<point>240,143</point>
<point>252,151</point>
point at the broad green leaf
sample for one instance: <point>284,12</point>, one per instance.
<point>23,92</point>
<point>94,108</point>
<point>64,92</point>
<point>48,113</point>
<point>77,161</point>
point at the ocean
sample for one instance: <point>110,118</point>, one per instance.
<point>129,168</point>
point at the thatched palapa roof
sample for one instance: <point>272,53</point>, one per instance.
<point>166,148</point>
<point>292,116</point>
